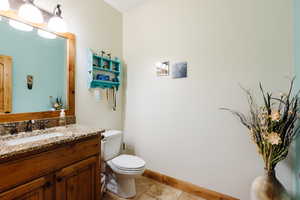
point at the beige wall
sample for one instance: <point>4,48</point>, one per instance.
<point>176,125</point>
<point>97,26</point>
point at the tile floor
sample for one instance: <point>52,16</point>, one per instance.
<point>148,189</point>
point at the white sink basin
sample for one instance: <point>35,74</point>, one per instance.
<point>32,138</point>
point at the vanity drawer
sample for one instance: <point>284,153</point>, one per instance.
<point>22,170</point>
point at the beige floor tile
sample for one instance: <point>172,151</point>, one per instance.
<point>146,197</point>
<point>186,196</point>
<point>148,189</point>
<point>107,197</point>
<point>163,192</point>
<point>143,184</point>
<point>111,196</point>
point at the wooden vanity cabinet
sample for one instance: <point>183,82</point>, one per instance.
<point>69,172</point>
<point>39,189</point>
<point>77,181</point>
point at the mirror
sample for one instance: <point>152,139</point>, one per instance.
<point>33,69</point>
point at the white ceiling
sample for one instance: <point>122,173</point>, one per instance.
<point>124,5</point>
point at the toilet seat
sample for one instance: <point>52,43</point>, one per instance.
<point>127,164</point>
<point>125,172</point>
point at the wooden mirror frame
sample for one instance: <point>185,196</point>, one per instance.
<point>14,117</point>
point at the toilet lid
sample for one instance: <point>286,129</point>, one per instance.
<point>128,162</point>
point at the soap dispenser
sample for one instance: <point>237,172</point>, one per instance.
<point>62,118</point>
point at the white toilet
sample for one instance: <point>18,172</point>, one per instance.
<point>125,168</point>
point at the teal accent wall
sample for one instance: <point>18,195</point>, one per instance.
<point>45,59</point>
<point>297,73</point>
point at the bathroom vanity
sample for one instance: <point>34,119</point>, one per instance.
<point>37,166</point>
<point>60,163</point>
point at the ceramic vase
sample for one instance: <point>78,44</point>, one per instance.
<point>268,187</point>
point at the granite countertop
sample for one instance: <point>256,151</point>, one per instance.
<point>62,135</point>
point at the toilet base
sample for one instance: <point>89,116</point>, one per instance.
<point>123,186</point>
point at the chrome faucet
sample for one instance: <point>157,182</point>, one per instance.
<point>29,125</point>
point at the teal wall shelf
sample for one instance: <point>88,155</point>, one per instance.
<point>106,70</point>
<point>103,84</point>
<point>103,72</point>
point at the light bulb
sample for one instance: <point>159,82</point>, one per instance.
<point>57,24</point>
<point>46,34</point>
<point>20,26</point>
<point>31,13</point>
<point>4,5</point>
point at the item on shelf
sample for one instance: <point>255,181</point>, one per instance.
<point>100,77</point>
<point>105,65</point>
<point>106,78</point>
<point>115,80</point>
<point>109,55</point>
<point>104,53</point>
<point>95,62</point>
<point>115,66</point>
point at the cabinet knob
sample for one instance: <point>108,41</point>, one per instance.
<point>58,179</point>
<point>48,184</point>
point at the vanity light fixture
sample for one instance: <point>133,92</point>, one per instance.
<point>4,5</point>
<point>20,26</point>
<point>56,23</point>
<point>46,34</point>
<point>30,12</point>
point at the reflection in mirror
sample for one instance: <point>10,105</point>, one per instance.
<point>33,69</point>
<point>5,84</point>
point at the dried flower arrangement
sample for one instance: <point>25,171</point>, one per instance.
<point>272,126</point>
<point>57,103</point>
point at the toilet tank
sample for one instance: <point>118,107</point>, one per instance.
<point>111,144</point>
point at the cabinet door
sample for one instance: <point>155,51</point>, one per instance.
<point>79,181</point>
<point>5,84</point>
<point>39,189</point>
